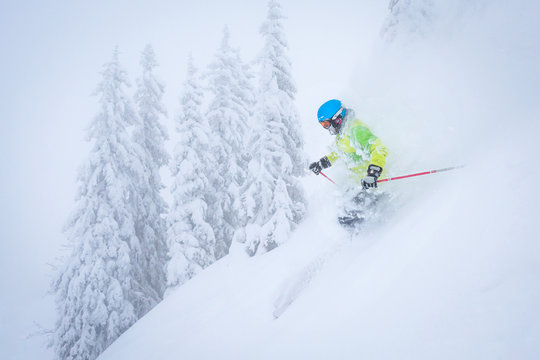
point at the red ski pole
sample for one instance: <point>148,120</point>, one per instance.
<point>327,177</point>
<point>420,173</point>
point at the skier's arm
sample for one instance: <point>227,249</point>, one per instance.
<point>378,153</point>
<point>332,157</point>
<point>378,160</point>
<point>363,137</point>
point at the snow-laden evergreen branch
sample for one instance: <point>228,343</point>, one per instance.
<point>100,291</point>
<point>191,236</point>
<point>229,115</point>
<point>272,198</point>
<point>149,135</point>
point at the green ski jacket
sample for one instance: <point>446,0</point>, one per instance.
<point>358,148</point>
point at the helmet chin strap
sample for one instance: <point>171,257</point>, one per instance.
<point>336,122</point>
<point>336,126</point>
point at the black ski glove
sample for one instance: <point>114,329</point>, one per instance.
<point>317,167</point>
<point>373,173</point>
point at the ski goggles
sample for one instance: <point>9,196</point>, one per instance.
<point>336,119</point>
<point>325,124</point>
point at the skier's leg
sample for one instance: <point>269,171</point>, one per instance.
<point>353,210</point>
<point>363,206</point>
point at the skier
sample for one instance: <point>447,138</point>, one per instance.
<point>362,152</point>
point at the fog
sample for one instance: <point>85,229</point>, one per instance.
<point>466,81</point>
<point>461,89</point>
<point>452,272</point>
<point>52,54</point>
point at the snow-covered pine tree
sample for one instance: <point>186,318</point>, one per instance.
<point>98,293</point>
<point>273,199</point>
<point>149,257</point>
<point>191,238</point>
<point>229,112</point>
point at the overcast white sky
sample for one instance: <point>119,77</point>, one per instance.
<point>52,53</point>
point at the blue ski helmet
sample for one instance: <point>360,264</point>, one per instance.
<point>329,109</point>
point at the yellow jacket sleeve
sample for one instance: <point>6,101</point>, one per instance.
<point>333,157</point>
<point>378,153</point>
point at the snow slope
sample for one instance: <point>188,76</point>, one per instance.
<point>451,278</point>
<point>451,273</point>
